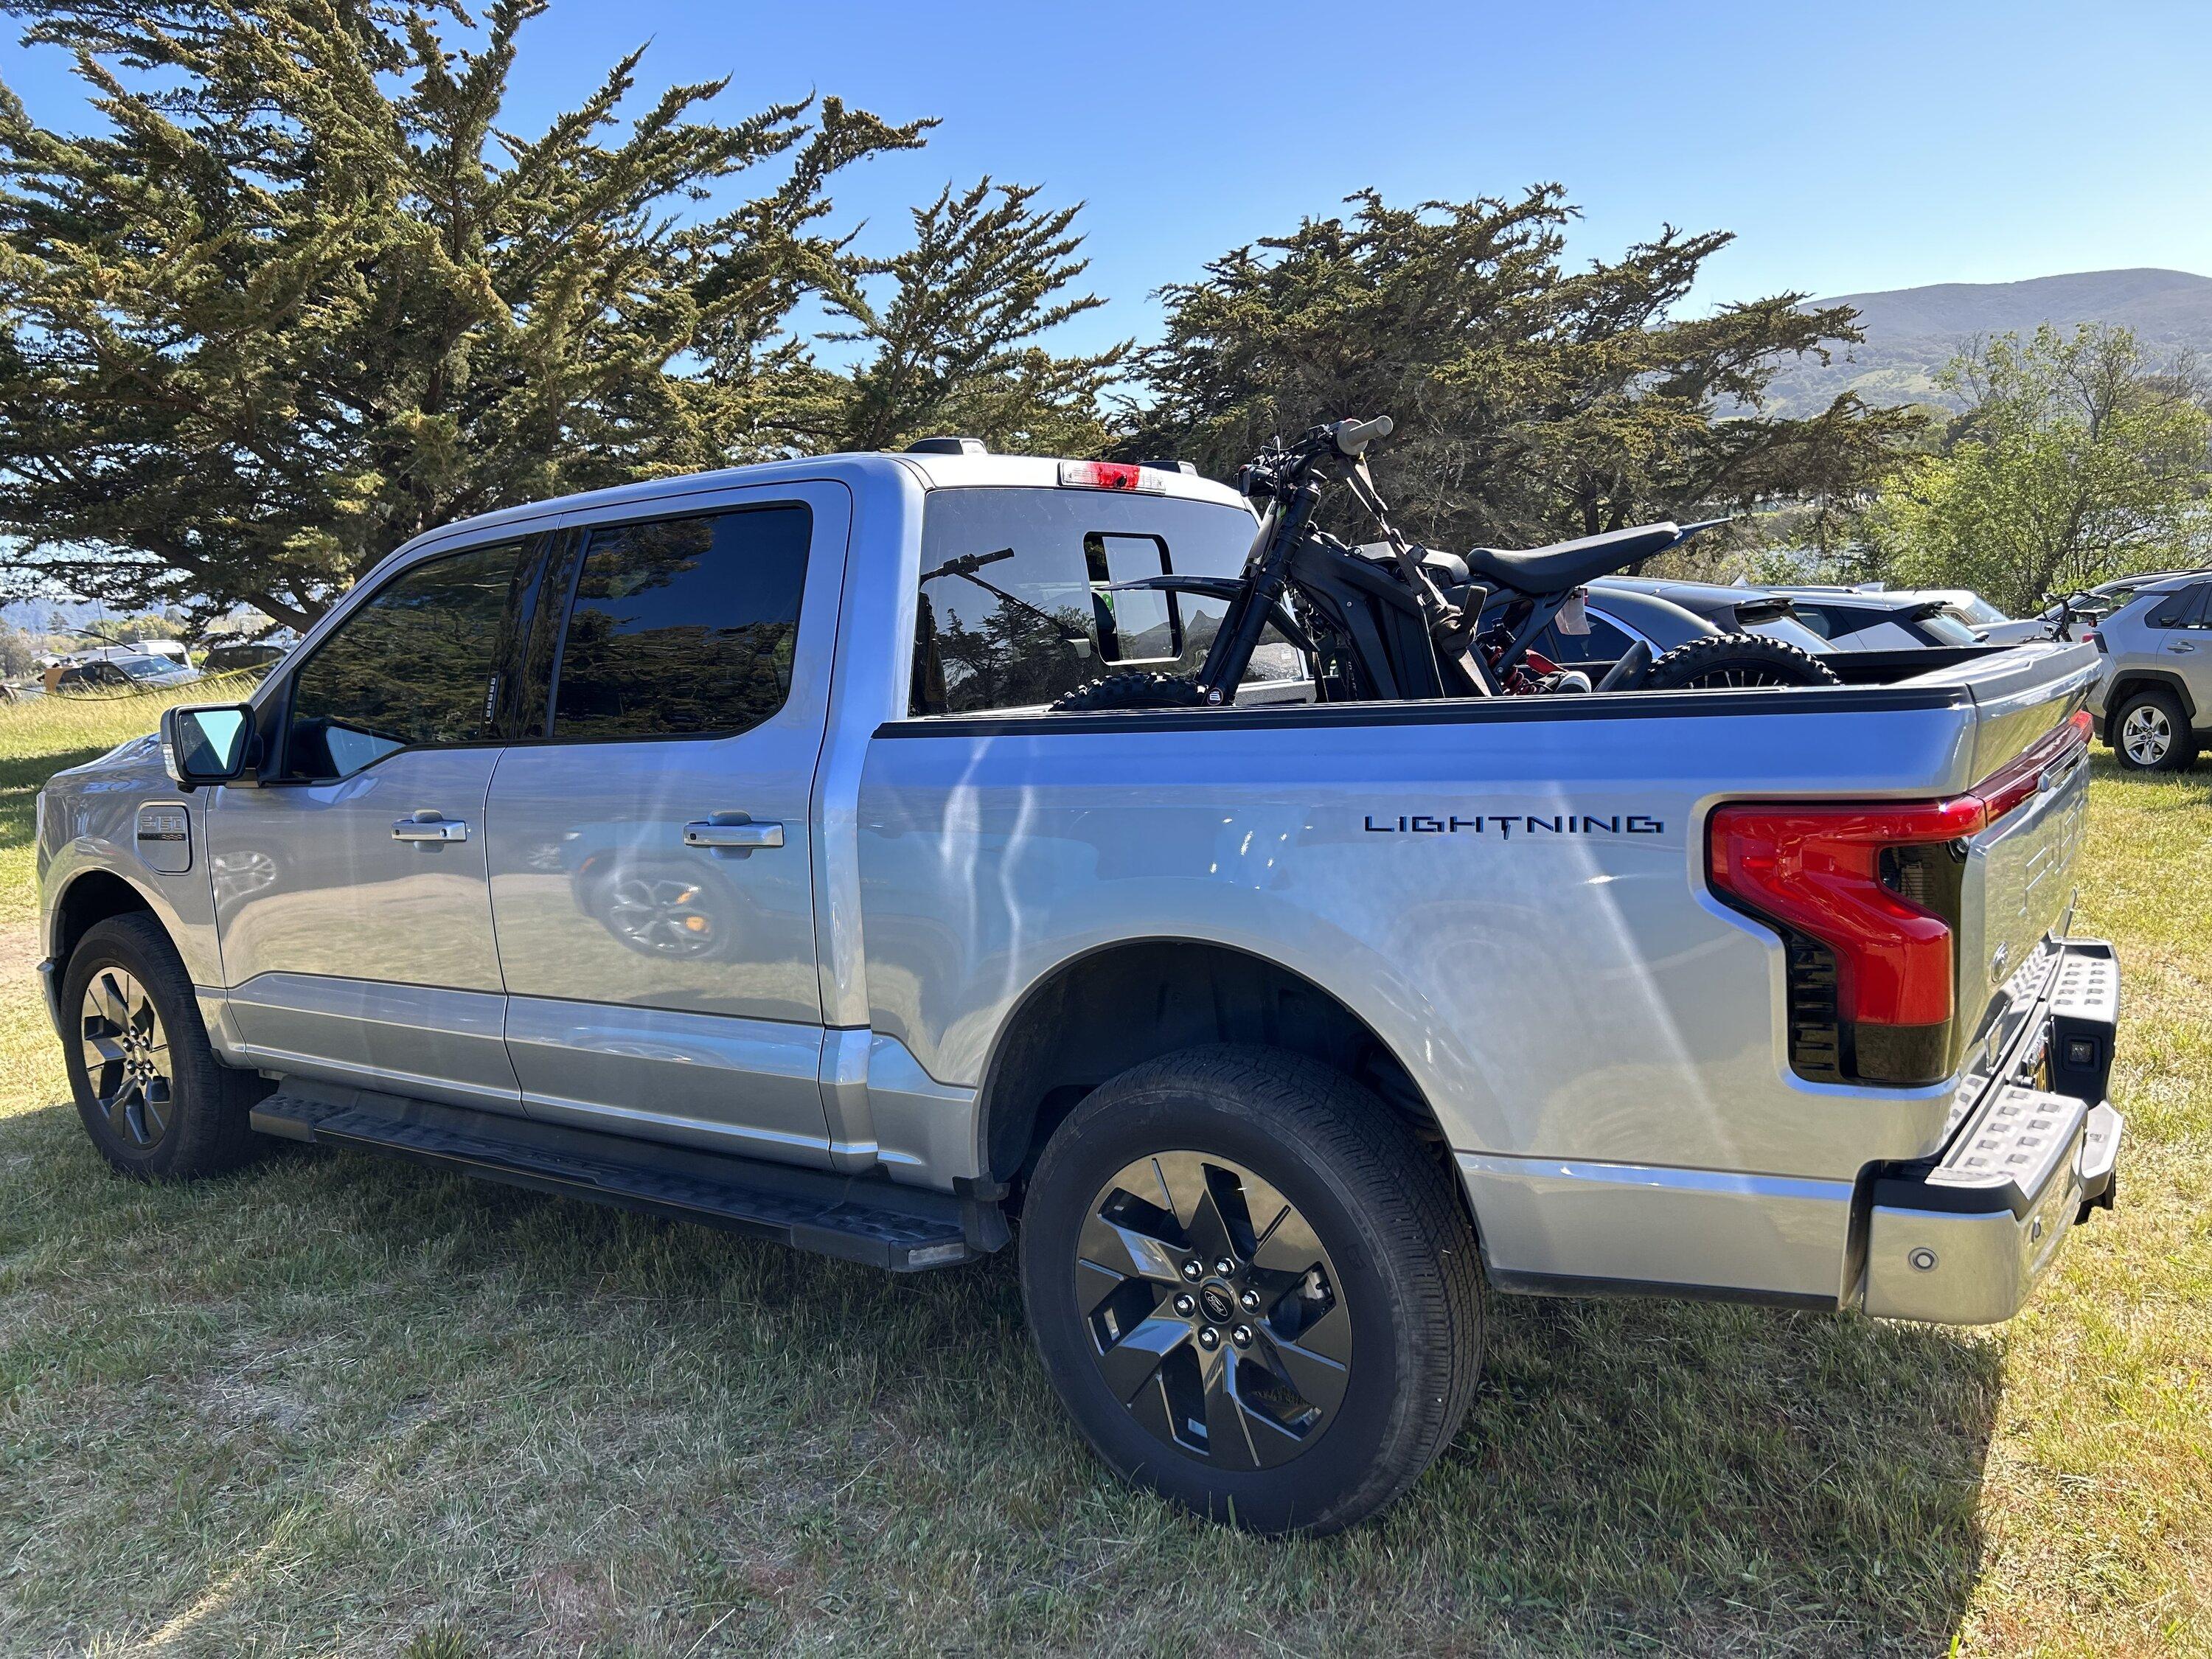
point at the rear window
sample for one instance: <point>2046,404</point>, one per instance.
<point>1016,605</point>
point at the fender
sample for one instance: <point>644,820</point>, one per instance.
<point>2130,680</point>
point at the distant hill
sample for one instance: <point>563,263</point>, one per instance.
<point>1912,331</point>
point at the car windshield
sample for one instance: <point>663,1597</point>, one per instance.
<point>140,668</point>
<point>1976,609</point>
<point>1947,628</point>
<point>1791,631</point>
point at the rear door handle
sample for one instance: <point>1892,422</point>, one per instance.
<point>430,826</point>
<point>2179,645</point>
<point>706,833</point>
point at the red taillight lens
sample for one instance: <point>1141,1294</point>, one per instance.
<point>1853,881</point>
<point>1108,475</point>
<point>1818,869</point>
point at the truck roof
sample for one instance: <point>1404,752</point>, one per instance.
<point>857,468</point>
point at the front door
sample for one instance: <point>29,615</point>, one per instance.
<point>352,898</point>
<point>652,881</point>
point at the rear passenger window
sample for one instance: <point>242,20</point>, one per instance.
<point>415,667</point>
<point>1016,604</point>
<point>683,625</point>
<point>2179,608</point>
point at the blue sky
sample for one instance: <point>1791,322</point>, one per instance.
<point>1868,146</point>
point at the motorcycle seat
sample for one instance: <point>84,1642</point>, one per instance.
<point>1570,564</point>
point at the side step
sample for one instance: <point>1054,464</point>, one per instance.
<point>858,1218</point>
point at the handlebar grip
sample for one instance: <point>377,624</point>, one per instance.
<point>1350,439</point>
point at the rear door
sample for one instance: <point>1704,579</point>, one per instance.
<point>2182,628</point>
<point>350,895</point>
<point>651,843</point>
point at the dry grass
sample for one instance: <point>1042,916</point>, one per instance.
<point>341,1405</point>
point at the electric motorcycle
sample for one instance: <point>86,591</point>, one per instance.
<point>1392,620</point>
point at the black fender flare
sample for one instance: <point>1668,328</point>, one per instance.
<point>2129,681</point>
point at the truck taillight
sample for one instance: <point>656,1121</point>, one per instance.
<point>1866,897</point>
<point>1110,474</point>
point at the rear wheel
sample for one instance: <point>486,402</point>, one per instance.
<point>1133,691</point>
<point>2151,734</point>
<point>1735,660</point>
<point>154,1099</point>
<point>1254,1289</point>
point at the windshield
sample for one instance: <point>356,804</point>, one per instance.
<point>140,668</point>
<point>1791,631</point>
<point>1946,628</point>
<point>1977,609</point>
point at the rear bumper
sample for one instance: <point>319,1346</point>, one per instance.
<point>1963,1239</point>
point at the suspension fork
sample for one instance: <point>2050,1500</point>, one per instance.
<point>1246,619</point>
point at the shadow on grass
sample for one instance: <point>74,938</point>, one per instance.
<point>1707,1476</point>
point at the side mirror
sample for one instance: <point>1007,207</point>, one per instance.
<point>207,744</point>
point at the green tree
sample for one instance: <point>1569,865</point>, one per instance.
<point>952,347</point>
<point>303,299</point>
<point>2073,462</point>
<point>1534,400</point>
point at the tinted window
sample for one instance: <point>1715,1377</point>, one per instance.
<point>1943,628</point>
<point>416,664</point>
<point>1009,615</point>
<point>2178,609</point>
<point>683,625</point>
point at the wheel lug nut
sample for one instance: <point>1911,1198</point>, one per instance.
<point>1224,1266</point>
<point>1242,1336</point>
<point>1185,1304</point>
<point>1209,1339</point>
<point>1250,1302</point>
<point>1192,1271</point>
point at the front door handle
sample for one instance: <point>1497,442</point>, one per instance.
<point>706,833</point>
<point>430,826</point>
<point>2180,645</point>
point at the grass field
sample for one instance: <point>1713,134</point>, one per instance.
<point>342,1406</point>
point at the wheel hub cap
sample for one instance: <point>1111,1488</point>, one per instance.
<point>2146,734</point>
<point>127,1060</point>
<point>1247,1370</point>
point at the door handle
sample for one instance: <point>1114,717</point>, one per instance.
<point>430,826</point>
<point>706,833</point>
<point>2180,645</point>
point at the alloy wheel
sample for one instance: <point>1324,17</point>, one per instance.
<point>2147,734</point>
<point>1215,1314</point>
<point>127,1059</point>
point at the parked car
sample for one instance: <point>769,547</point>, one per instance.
<point>1990,625</point>
<point>242,658</point>
<point>118,674</point>
<point>2154,705</point>
<point>1723,609</point>
<point>1855,620</point>
<point>1279,1028</point>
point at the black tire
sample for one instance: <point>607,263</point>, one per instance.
<point>1395,1288</point>
<point>2149,732</point>
<point>194,1122</point>
<point>1728,660</point>
<point>1132,690</point>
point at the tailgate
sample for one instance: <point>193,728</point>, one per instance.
<point>2031,758</point>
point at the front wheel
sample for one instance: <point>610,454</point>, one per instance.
<point>1254,1288</point>
<point>1728,661</point>
<point>154,1099</point>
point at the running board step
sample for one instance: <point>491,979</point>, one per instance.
<point>858,1218</point>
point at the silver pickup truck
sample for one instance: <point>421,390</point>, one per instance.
<point>706,847</point>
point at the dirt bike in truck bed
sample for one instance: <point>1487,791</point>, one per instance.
<point>711,847</point>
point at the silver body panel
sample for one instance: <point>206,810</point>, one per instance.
<point>1510,897</point>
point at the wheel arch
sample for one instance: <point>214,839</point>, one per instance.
<point>1097,1013</point>
<point>92,897</point>
<point>2129,681</point>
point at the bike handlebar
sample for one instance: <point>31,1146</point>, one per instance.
<point>1350,439</point>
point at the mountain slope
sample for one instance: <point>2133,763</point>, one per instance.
<point>1912,331</point>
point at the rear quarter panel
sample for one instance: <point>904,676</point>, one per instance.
<point>1569,993</point>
